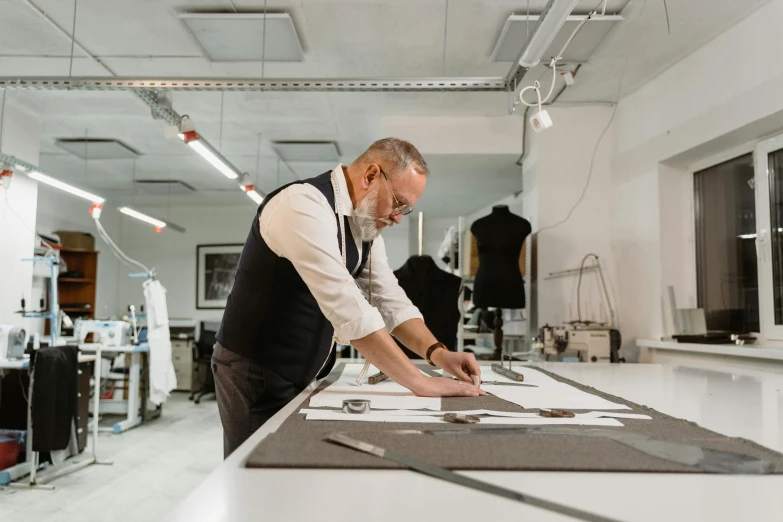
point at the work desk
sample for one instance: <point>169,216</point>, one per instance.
<point>743,403</point>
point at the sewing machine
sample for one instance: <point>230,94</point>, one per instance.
<point>588,343</point>
<point>106,333</point>
<point>12,339</point>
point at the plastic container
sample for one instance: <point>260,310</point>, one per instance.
<point>11,442</point>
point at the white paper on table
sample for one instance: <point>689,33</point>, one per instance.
<point>432,419</point>
<point>387,395</point>
<point>494,413</point>
<point>549,392</point>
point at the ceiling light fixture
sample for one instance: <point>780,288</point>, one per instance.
<point>250,189</point>
<point>43,178</point>
<point>546,31</point>
<point>158,224</point>
<point>208,152</point>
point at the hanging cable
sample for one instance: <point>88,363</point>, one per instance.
<point>668,24</point>
<point>50,252</point>
<point>553,62</point>
<point>595,150</point>
<point>118,253</point>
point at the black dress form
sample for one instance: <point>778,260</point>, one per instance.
<point>499,283</point>
<point>435,293</point>
<point>499,237</point>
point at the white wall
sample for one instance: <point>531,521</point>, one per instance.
<point>20,138</point>
<point>685,115</point>
<point>173,254</point>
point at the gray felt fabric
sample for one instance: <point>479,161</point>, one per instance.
<point>299,443</point>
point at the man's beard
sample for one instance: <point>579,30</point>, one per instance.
<point>365,216</point>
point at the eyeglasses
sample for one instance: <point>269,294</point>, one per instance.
<point>400,208</point>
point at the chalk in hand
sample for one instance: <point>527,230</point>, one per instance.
<point>476,381</point>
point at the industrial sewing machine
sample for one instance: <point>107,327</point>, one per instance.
<point>587,342</point>
<point>12,339</point>
<point>107,333</point>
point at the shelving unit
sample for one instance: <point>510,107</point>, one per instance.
<point>79,290</point>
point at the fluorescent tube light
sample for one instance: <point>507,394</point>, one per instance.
<point>255,196</point>
<point>143,217</point>
<point>546,31</point>
<point>747,236</point>
<point>66,187</point>
<point>205,152</point>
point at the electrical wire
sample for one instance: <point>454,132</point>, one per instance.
<point>579,285</point>
<point>119,254</point>
<point>51,251</point>
<point>553,62</point>
<point>668,24</point>
<point>589,175</point>
<point>595,152</point>
<point>73,38</point>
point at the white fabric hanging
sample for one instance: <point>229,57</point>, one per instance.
<point>162,376</point>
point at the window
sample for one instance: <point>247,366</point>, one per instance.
<point>726,261</point>
<point>769,205</point>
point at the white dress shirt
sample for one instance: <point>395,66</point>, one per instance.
<point>298,224</point>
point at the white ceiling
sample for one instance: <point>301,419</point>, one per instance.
<point>349,38</point>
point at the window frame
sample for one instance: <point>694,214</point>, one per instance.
<point>770,330</point>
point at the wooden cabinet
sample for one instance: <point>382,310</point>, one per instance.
<point>77,286</point>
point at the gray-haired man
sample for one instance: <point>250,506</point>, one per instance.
<point>313,247</point>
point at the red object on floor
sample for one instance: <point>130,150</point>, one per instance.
<point>9,452</point>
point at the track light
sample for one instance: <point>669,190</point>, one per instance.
<point>250,189</point>
<point>208,152</point>
<point>548,26</point>
<point>66,187</point>
<point>158,224</point>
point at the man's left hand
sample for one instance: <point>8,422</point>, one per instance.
<point>459,364</point>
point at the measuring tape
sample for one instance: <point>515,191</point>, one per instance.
<point>338,208</point>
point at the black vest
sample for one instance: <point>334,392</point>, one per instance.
<point>271,316</point>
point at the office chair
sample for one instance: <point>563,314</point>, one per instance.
<point>202,356</point>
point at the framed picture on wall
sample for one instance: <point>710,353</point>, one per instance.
<point>215,269</point>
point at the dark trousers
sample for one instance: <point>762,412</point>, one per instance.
<point>248,395</point>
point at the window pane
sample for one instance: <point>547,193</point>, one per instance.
<point>726,264</point>
<point>776,225</point>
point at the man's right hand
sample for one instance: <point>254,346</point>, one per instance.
<point>442,387</point>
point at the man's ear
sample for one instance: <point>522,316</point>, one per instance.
<point>370,173</point>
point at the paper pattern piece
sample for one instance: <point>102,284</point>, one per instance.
<point>328,415</point>
<point>548,394</point>
<point>494,413</point>
<point>387,395</point>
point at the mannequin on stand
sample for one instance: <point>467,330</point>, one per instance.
<point>499,283</point>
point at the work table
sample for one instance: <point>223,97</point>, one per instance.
<point>742,404</point>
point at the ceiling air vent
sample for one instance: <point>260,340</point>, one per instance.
<point>97,148</point>
<point>239,37</point>
<point>164,187</point>
<point>293,151</point>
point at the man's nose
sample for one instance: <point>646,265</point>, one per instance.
<point>396,218</point>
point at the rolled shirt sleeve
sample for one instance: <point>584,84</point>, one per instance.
<point>299,225</point>
<point>387,295</point>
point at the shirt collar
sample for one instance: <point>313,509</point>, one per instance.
<point>342,186</point>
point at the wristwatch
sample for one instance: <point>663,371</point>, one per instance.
<point>432,349</point>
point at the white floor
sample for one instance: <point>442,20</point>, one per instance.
<point>155,466</point>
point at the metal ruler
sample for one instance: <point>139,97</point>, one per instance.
<point>444,474</point>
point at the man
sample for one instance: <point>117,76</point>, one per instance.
<point>313,247</point>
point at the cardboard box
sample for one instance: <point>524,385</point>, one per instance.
<point>75,239</point>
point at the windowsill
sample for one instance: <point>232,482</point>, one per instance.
<point>767,351</point>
